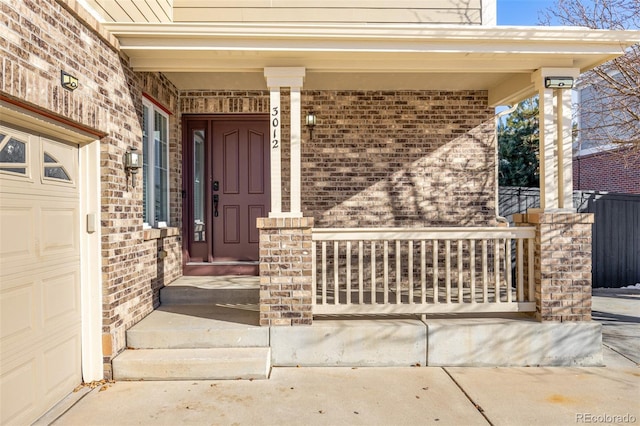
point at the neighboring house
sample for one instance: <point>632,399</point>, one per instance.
<point>605,117</point>
<point>215,98</point>
<point>607,171</point>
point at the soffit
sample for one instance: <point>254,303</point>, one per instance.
<point>132,10</point>
<point>499,59</point>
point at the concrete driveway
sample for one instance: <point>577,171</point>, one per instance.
<point>372,396</point>
<point>619,312</point>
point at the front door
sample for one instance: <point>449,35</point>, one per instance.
<point>225,189</point>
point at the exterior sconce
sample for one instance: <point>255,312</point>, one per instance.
<point>132,162</point>
<point>310,121</point>
<point>558,82</point>
<point>68,81</point>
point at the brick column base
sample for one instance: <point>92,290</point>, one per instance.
<point>562,264</point>
<point>285,271</point>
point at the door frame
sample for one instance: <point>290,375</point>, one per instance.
<point>207,268</point>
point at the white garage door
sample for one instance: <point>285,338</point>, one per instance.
<point>39,274</point>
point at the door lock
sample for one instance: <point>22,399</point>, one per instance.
<point>216,199</point>
<point>216,185</point>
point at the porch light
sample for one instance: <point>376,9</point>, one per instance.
<point>558,82</point>
<point>132,162</point>
<point>310,121</point>
<point>68,81</point>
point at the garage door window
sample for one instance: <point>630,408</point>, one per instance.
<point>13,155</point>
<point>53,169</point>
<point>155,167</point>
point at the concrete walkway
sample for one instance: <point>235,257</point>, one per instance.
<point>392,396</point>
<point>371,396</point>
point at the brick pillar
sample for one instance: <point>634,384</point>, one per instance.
<point>562,264</point>
<point>285,271</point>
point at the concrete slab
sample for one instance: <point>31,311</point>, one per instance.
<point>552,396</point>
<point>192,364</point>
<point>512,342</point>
<point>231,282</point>
<point>619,312</point>
<point>352,342</point>
<point>199,326</point>
<point>212,290</point>
<point>611,358</point>
<point>293,396</point>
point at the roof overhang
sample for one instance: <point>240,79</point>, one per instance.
<point>391,57</point>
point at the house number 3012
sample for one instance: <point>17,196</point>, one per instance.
<point>275,122</point>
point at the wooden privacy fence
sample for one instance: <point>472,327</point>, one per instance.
<point>423,270</point>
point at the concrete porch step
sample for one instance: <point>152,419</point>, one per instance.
<point>193,364</point>
<point>199,326</point>
<point>212,290</point>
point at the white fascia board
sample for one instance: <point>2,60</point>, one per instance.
<point>448,33</point>
<point>598,45</point>
<point>170,47</point>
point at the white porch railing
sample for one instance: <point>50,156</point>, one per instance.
<point>423,270</point>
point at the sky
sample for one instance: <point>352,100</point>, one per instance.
<point>521,12</point>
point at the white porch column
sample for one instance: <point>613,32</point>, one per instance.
<point>556,181</point>
<point>565,150</point>
<point>292,78</point>
<point>275,113</point>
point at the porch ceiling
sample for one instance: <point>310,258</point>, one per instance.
<point>497,59</point>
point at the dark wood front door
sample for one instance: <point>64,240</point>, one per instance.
<point>226,188</point>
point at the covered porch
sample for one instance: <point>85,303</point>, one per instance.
<point>419,266</point>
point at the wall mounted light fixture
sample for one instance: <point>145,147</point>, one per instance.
<point>68,81</point>
<point>310,121</point>
<point>132,162</point>
<point>558,82</point>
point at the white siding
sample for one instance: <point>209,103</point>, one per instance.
<point>330,11</point>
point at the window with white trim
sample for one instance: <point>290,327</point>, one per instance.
<point>155,164</point>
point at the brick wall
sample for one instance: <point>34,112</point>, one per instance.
<point>407,158</point>
<point>562,264</point>
<point>285,271</point>
<point>44,37</point>
<point>609,171</point>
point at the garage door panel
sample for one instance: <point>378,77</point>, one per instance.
<point>17,312</point>
<point>61,361</point>
<point>59,231</point>
<point>17,227</point>
<point>20,400</point>
<point>33,384</point>
<point>33,311</point>
<point>62,296</point>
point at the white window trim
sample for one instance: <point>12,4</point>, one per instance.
<point>150,177</point>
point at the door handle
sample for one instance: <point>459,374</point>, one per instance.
<point>216,199</point>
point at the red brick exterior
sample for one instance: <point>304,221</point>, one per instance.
<point>608,171</point>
